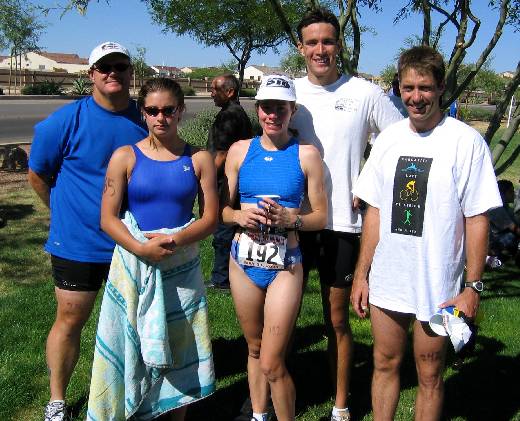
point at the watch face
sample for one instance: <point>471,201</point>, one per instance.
<point>479,286</point>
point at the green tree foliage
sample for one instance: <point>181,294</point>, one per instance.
<point>350,29</point>
<point>207,72</point>
<point>458,14</point>
<point>486,84</point>
<point>141,70</point>
<point>20,30</point>
<point>387,74</point>
<point>293,63</point>
<point>241,26</point>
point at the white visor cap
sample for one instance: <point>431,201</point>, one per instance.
<point>276,87</point>
<point>105,49</point>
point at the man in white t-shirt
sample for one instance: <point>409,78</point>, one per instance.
<point>428,183</point>
<point>336,113</point>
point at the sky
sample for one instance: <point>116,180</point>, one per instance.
<point>128,22</point>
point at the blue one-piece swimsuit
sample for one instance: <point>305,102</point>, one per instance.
<point>159,185</point>
<point>271,172</point>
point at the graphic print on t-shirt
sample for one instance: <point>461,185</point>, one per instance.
<point>410,187</point>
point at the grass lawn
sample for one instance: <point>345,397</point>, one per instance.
<point>486,387</point>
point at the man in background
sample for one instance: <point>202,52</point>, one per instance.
<point>231,124</point>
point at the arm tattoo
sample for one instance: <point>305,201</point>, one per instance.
<point>109,186</point>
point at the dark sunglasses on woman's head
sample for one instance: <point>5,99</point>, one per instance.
<point>108,68</point>
<point>166,111</point>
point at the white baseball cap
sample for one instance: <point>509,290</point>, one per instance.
<point>276,87</point>
<point>105,49</point>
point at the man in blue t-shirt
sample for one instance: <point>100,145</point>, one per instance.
<point>68,159</point>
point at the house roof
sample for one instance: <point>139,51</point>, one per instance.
<point>267,69</point>
<point>64,58</point>
<point>167,68</point>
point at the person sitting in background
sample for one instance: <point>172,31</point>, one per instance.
<point>504,233</point>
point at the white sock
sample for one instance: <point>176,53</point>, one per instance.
<point>338,411</point>
<point>57,400</point>
<point>259,416</point>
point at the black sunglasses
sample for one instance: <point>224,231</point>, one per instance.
<point>166,111</point>
<point>108,68</point>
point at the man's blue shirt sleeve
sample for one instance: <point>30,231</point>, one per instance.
<point>47,147</point>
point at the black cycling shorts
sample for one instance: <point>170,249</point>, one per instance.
<point>78,276</point>
<point>333,253</point>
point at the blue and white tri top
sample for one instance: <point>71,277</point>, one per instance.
<point>272,172</point>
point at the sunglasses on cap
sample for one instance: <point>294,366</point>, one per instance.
<point>166,111</point>
<point>108,68</point>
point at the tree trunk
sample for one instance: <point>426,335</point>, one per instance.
<point>241,67</point>
<point>501,146</point>
<point>277,7</point>
<point>10,72</point>
<point>502,104</point>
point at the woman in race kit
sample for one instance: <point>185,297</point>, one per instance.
<point>153,325</point>
<point>265,271</point>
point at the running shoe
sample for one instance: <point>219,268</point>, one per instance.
<point>56,411</point>
<point>342,416</point>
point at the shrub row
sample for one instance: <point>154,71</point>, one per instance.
<point>195,131</point>
<point>469,114</point>
<point>47,87</point>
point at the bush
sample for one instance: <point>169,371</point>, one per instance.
<point>188,90</point>
<point>47,87</point>
<point>195,131</point>
<point>468,114</point>
<point>248,92</point>
<point>253,116</point>
<point>81,86</point>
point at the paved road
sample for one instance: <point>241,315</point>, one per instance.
<point>18,117</point>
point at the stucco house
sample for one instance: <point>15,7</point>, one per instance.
<point>49,62</point>
<point>170,71</point>
<point>255,72</point>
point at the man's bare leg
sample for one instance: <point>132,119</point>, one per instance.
<point>63,342</point>
<point>389,330</point>
<point>430,355</point>
<point>335,302</point>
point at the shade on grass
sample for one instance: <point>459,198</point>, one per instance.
<point>486,387</point>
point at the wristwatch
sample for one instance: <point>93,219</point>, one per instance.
<point>298,223</point>
<point>477,285</point>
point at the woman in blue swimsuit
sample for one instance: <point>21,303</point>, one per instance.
<point>153,350</point>
<point>270,175</point>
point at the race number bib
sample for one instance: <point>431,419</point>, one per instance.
<point>262,250</point>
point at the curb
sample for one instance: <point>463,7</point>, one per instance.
<point>72,97</point>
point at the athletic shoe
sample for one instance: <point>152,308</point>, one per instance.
<point>343,416</point>
<point>56,411</point>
